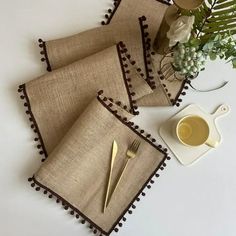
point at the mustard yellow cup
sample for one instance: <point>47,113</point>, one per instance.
<point>194,131</point>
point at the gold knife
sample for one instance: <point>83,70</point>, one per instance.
<point>113,157</point>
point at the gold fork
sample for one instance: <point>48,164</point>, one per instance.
<point>130,154</point>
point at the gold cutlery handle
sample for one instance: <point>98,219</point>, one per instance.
<point>114,152</point>
<point>118,181</point>
<point>108,189</point>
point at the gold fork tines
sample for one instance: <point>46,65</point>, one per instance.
<point>130,154</point>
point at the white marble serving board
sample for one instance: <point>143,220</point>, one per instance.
<point>189,155</point>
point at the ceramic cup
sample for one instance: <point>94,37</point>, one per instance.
<point>193,131</point>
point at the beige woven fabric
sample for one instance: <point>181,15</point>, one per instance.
<point>77,170</point>
<point>124,25</point>
<point>59,97</point>
<point>64,51</point>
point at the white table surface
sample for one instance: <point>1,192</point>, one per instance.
<point>196,200</point>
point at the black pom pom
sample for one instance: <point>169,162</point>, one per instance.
<point>50,196</point>
<point>30,179</point>
<point>100,92</point>
<point>124,219</point>
<point>37,189</point>
<point>77,216</point>
<point>33,184</point>
<point>157,175</point>
<point>45,191</point>
<point>143,18</point>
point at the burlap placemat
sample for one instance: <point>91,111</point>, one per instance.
<point>122,24</point>
<point>56,99</point>
<point>75,173</point>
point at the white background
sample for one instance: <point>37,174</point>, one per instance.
<point>196,200</point>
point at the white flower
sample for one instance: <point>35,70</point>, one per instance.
<point>180,30</point>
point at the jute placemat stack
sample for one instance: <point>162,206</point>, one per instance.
<point>97,81</point>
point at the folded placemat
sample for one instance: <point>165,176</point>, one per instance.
<point>139,35</point>
<point>64,51</point>
<point>75,173</point>
<point>55,100</point>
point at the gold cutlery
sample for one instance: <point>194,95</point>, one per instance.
<point>130,154</point>
<point>113,157</point>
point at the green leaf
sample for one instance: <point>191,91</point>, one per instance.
<point>225,5</point>
<point>221,23</point>
<point>218,28</point>
<point>222,12</point>
<point>220,18</point>
<point>195,42</point>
